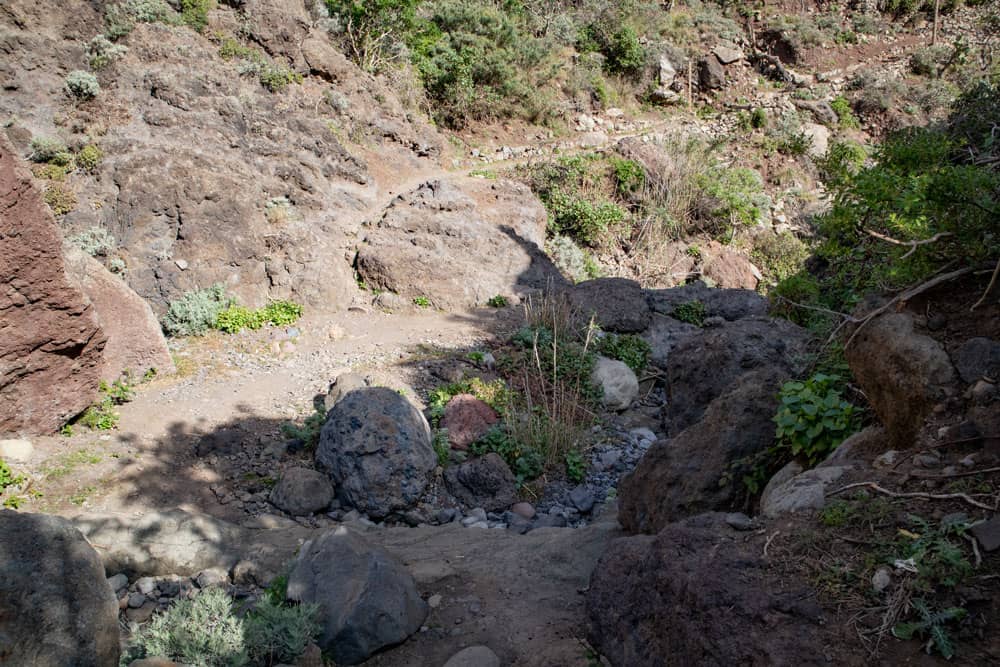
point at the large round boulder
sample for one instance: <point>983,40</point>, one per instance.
<point>56,606</point>
<point>376,447</point>
<point>367,599</point>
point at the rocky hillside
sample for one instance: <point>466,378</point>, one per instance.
<point>463,332</point>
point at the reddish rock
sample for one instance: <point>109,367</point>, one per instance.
<point>50,341</point>
<point>135,339</point>
<point>467,419</point>
<point>728,269</point>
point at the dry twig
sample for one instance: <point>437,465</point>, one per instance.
<point>769,540</point>
<point>914,494</point>
<point>989,287</point>
<point>913,244</point>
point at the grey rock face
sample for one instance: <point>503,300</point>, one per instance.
<point>376,446</point>
<point>616,304</point>
<point>302,491</point>
<point>977,357</point>
<point>367,598</point>
<point>485,482</point>
<point>56,607</point>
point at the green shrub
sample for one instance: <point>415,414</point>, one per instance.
<point>194,13</point>
<point>627,348</point>
<point>842,162</point>
<point>50,150</point>
<point>82,85</point>
<point>235,318</point>
<point>100,416</point>
<point>623,52</point>
<point>195,313</point>
<point>813,418</point>
<point>60,199</point>
<point>576,466</point>
<point>526,462</point>
<point>370,29</point>
<point>276,77</point>
<point>310,430</point>
<point>95,241</point>
<point>585,221</point>
<point>121,18</point>
<point>734,197</point>
<point>8,478</point>
<point>758,118</point>
<point>421,302</point>
<point>89,158</point>
<point>779,255</point>
<point>101,52</point>
<point>275,633</point>
<point>498,301</point>
<point>692,312</point>
<point>630,176</point>
<point>930,60</point>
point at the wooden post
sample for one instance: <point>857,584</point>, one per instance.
<point>690,82</point>
<point>937,12</point>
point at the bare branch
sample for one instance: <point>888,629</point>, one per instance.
<point>989,288</point>
<point>913,244</point>
<point>914,494</point>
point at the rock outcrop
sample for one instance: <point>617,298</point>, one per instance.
<point>367,599</point>
<point>701,593</point>
<point>457,243</point>
<point>376,446</point>
<point>56,606</point>
<point>615,304</point>
<point>486,482</point>
<point>51,343</point>
<point>135,338</point>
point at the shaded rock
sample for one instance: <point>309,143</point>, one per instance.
<point>616,304</point>
<point>474,656</point>
<point>739,521</point>
<point>467,419</point>
<point>376,447</point>
<point>656,601</point>
<point>683,476</point>
<point>729,304</point>
<point>302,491</point>
<point>485,483</point>
<point>820,109</point>
<point>860,445</point>
<point>344,384</point>
<point>711,73</point>
<point>582,498</point>
<point>903,374</point>
<point>663,335</point>
<point>135,337</point>
<point>703,367</point>
<point>56,607</point>
<point>51,344</point>
<point>367,598</point>
<point>987,533</point>
<point>786,473</point>
<point>525,510</point>
<point>457,242</point>
<point>977,357</point>
<point>805,491</point>
<point>617,382</point>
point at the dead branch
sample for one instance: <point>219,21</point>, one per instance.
<point>966,473</point>
<point>913,244</point>
<point>975,550</point>
<point>989,288</point>
<point>914,494</point>
<point>769,540</point>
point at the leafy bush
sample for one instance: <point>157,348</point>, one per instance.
<point>60,199</point>
<point>734,197</point>
<point>277,77</point>
<point>95,241</point>
<point>583,220</point>
<point>101,52</point>
<point>930,60</point>
<point>845,115</point>
<point>50,150</point>
<point>627,348</point>
<point>195,313</point>
<point>843,160</point>
<point>758,118</point>
<point>369,29</point>
<point>526,462</point>
<point>779,255</point>
<point>121,18</point>
<point>498,301</point>
<point>235,318</point>
<point>100,416</point>
<point>89,158</point>
<point>630,176</point>
<point>275,633</point>
<point>692,312</point>
<point>623,52</point>
<point>194,13</point>
<point>813,418</point>
<point>82,85</point>
<point>931,625</point>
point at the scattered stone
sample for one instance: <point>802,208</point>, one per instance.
<point>582,498</point>
<point>56,607</point>
<point>211,577</point>
<point>485,482</point>
<point>618,383</point>
<point>987,533</point>
<point>518,524</point>
<point>377,448</point>
<point>136,600</point>
<point>302,491</point>
<point>467,419</point>
<point>474,656</point>
<point>118,582</point>
<point>739,521</point>
<point>522,509</point>
<point>882,579</point>
<point>146,585</point>
<point>820,109</point>
<point>886,459</point>
<point>447,515</point>
<point>367,598</point>
<point>476,515</point>
<point>16,451</point>
<point>926,461</point>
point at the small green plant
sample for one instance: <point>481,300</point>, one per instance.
<point>692,312</point>
<point>194,13</point>
<point>442,447</point>
<point>121,18</point>
<point>8,478</point>
<point>526,462</point>
<point>195,313</point>
<point>100,416</point>
<point>845,115</point>
<point>498,301</point>
<point>310,430</point>
<point>758,118</point>
<point>422,302</point>
<point>627,348</point>
<point>277,77</point>
<point>60,199</point>
<point>82,85</point>
<point>931,625</point>
<point>66,431</point>
<point>576,466</point>
<point>630,176</point>
<point>95,241</point>
<point>89,158</point>
<point>102,52</point>
<point>582,219</point>
<point>277,633</point>
<point>813,418</point>
<point>50,150</point>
